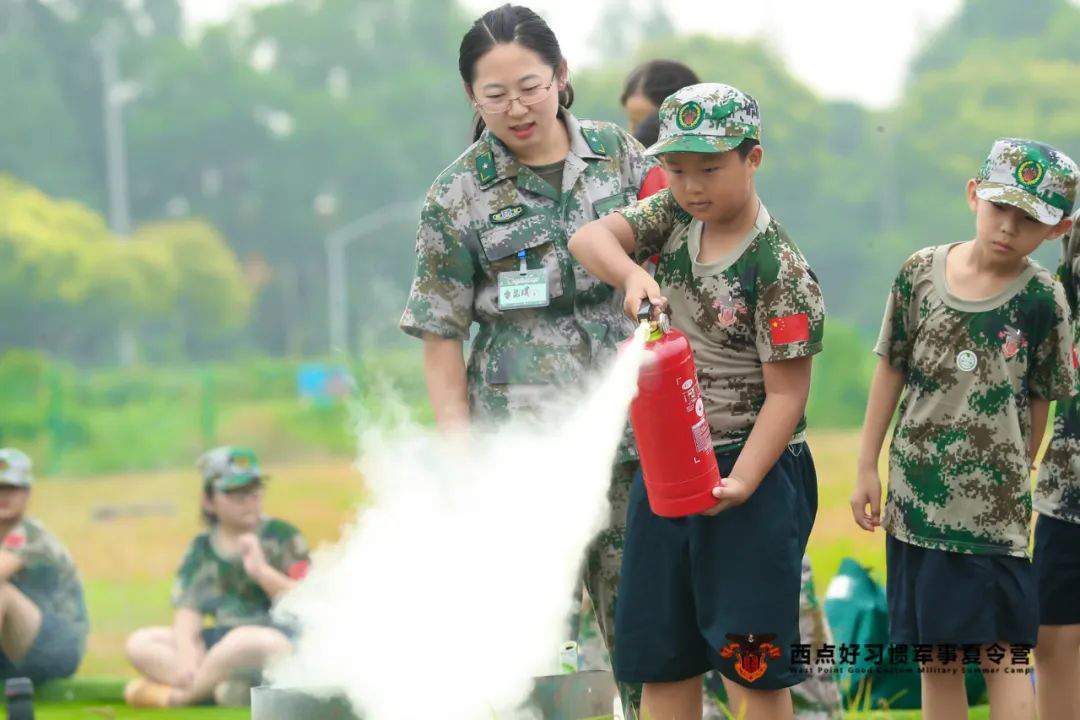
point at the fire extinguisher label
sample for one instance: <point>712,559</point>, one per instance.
<point>702,435</point>
<point>690,393</point>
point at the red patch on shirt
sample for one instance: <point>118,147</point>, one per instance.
<point>1076,360</point>
<point>15,540</point>
<point>299,570</point>
<point>789,329</point>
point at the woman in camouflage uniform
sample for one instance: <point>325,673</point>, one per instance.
<point>491,250</point>
<point>231,573</point>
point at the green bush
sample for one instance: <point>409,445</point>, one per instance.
<point>83,421</point>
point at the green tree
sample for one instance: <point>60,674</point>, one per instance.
<point>1034,29</point>
<point>66,283</point>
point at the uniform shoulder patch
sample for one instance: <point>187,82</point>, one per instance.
<point>596,143</point>
<point>485,167</point>
<point>507,214</point>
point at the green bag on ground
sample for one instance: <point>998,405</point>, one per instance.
<point>858,614</point>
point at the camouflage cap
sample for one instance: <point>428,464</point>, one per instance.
<point>706,118</point>
<point>226,468</point>
<point>15,468</point>
<point>1033,176</point>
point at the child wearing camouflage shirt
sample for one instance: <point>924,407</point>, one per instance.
<point>977,337</point>
<point>231,575</point>
<point>1057,531</point>
<point>693,595</point>
<point>42,612</point>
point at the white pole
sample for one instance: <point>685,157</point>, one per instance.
<point>336,242</point>
<point>115,151</point>
<point>115,163</point>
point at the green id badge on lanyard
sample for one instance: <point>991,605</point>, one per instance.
<point>524,288</point>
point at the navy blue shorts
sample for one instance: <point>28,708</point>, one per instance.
<point>1057,566</point>
<point>717,593</point>
<point>946,598</point>
<point>211,636</point>
<point>55,653</point>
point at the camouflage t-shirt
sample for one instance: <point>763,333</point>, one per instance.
<point>1057,492</point>
<point>217,586</point>
<point>48,576</point>
<point>959,472</point>
<point>480,214</point>
<point>760,304</point>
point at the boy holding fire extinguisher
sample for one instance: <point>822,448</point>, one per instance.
<point>719,590</point>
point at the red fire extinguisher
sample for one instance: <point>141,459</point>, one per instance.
<point>671,428</point>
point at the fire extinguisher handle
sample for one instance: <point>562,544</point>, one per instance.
<point>644,313</point>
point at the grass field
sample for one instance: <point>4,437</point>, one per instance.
<point>127,533</point>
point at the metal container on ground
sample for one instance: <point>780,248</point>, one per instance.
<point>574,696</point>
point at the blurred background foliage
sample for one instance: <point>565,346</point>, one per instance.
<point>252,140</point>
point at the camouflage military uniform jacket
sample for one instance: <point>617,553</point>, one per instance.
<point>218,586</point>
<point>959,477</point>
<point>760,304</point>
<point>1057,492</point>
<point>48,576</point>
<point>481,212</point>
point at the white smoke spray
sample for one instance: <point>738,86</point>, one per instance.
<point>453,588</point>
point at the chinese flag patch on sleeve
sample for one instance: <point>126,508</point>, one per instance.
<point>299,570</point>
<point>789,329</point>
<point>14,539</point>
<point>1076,359</point>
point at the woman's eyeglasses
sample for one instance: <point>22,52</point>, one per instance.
<point>528,97</point>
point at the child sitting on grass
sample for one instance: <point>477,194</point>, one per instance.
<point>43,622</point>
<point>232,573</point>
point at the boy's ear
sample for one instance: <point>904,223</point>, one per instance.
<point>1061,228</point>
<point>973,200</point>
<point>756,156</point>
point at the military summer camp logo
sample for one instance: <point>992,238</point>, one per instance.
<point>240,463</point>
<point>751,653</point>
<point>689,116</point>
<point>728,309</point>
<point>902,659</point>
<point>1013,341</point>
<point>1029,173</point>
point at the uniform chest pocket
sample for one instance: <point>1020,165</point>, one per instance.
<point>608,205</point>
<point>536,236</point>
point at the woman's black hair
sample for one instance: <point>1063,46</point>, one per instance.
<point>506,24</point>
<point>208,518</point>
<point>657,79</point>
<point>648,130</point>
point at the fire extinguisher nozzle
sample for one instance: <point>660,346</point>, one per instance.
<point>644,313</point>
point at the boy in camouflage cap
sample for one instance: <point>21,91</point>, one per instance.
<point>231,574</point>
<point>1057,530</point>
<point>740,289</point>
<point>977,337</point>
<point>43,622</point>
